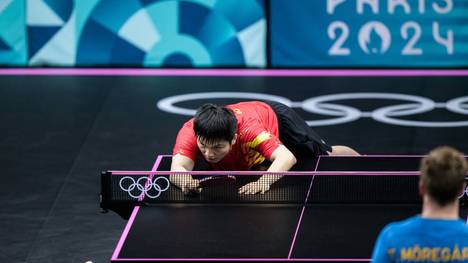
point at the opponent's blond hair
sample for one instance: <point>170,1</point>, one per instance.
<point>443,174</point>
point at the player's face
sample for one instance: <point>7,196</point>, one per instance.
<point>214,151</point>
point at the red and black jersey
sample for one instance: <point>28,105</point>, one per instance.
<point>257,137</point>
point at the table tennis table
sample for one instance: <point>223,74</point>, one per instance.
<point>318,219</point>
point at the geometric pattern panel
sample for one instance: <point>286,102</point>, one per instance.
<point>13,44</point>
<point>51,32</point>
<point>139,33</point>
<point>173,33</point>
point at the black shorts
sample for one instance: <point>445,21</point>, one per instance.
<point>296,135</point>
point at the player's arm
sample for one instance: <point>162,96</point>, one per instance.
<point>183,181</point>
<point>281,160</point>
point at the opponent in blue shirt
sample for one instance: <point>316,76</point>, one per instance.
<point>437,235</point>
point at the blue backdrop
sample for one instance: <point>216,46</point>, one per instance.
<point>357,33</point>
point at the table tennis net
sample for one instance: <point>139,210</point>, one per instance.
<point>290,189</point>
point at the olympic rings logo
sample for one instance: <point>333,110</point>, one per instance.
<point>340,114</point>
<point>143,185</point>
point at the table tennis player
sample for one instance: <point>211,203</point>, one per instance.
<point>437,235</point>
<point>245,136</point>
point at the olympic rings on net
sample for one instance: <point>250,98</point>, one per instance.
<point>340,114</point>
<point>144,187</point>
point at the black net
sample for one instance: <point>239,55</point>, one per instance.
<point>365,189</point>
<point>121,192</point>
<point>158,189</point>
<point>292,189</point>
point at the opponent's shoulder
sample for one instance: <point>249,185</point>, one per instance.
<point>418,224</point>
<point>399,227</point>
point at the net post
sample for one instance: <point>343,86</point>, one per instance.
<point>104,195</point>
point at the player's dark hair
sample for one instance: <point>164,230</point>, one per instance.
<point>213,123</point>
<point>443,174</point>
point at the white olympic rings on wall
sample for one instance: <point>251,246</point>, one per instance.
<point>340,113</point>
<point>144,187</point>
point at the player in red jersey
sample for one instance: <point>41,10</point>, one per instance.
<point>244,136</point>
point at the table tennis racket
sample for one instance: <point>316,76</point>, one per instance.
<point>217,180</point>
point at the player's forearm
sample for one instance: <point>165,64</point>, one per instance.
<point>179,179</point>
<point>280,164</point>
<point>181,163</point>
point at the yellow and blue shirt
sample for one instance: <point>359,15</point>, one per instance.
<point>420,239</point>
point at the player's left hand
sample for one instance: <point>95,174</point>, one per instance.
<point>254,188</point>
